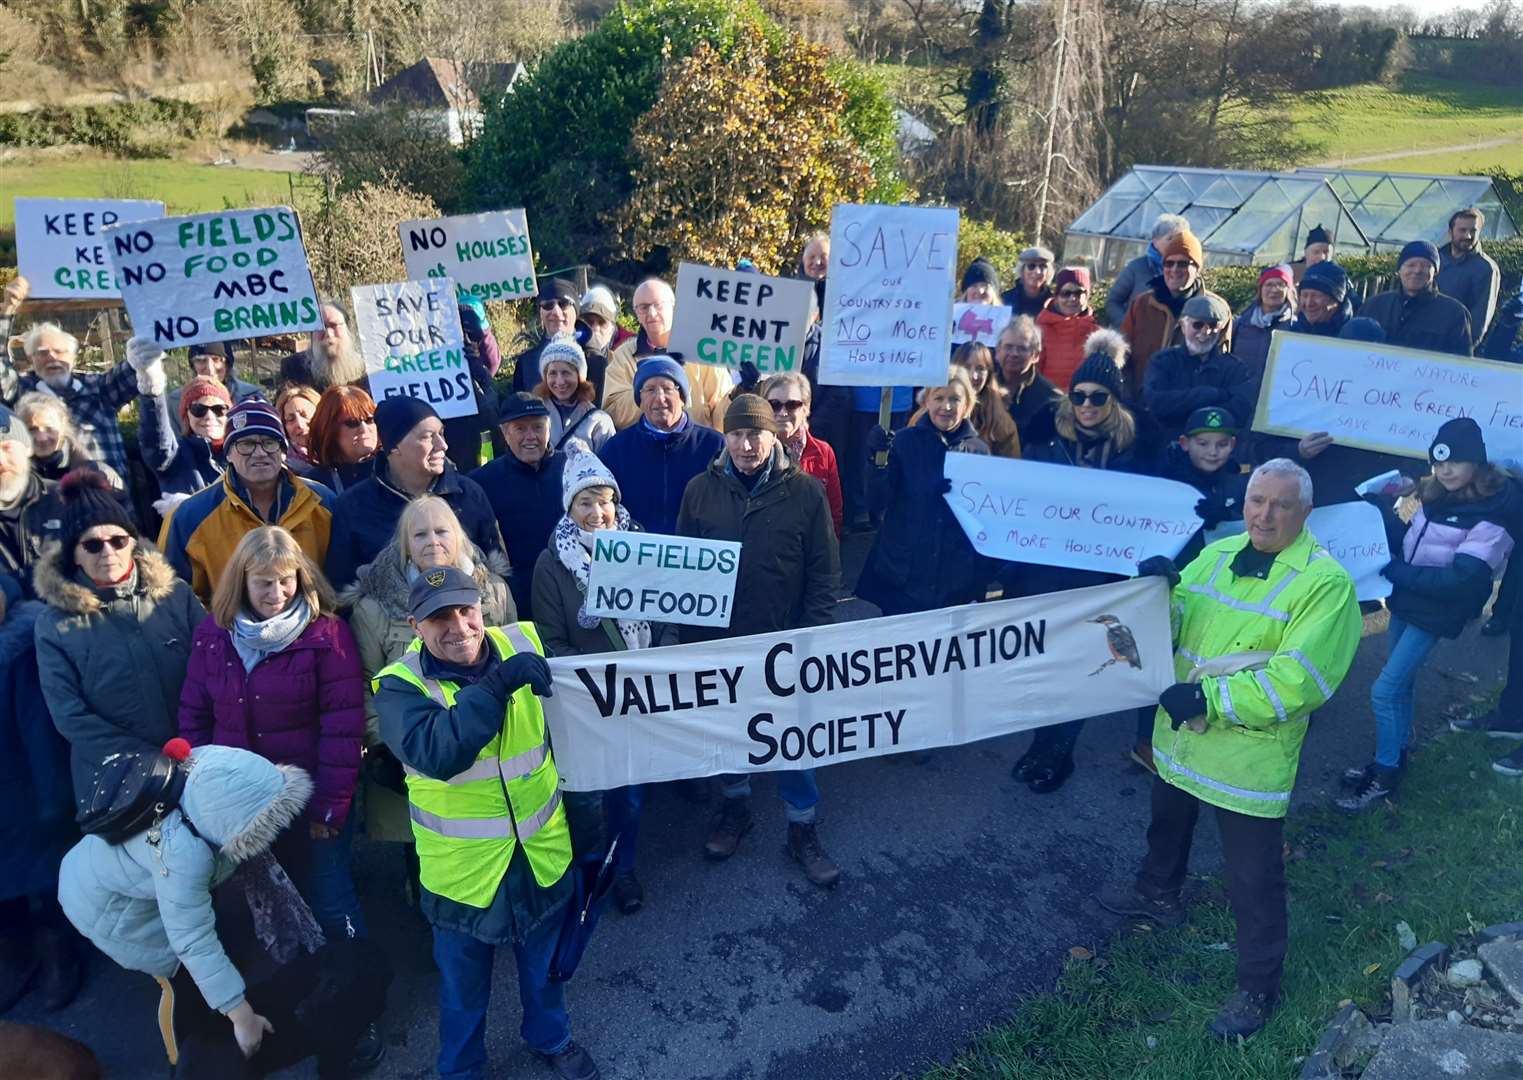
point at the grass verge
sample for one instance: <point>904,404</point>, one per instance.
<point>1445,862</point>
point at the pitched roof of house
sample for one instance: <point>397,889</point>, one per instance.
<point>441,83</point>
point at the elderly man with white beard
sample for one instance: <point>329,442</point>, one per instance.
<point>93,399</point>
<point>331,359</point>
<point>27,501</point>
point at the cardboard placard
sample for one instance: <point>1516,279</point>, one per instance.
<point>413,346</point>
<point>728,318</point>
<point>982,323</point>
<point>675,579</point>
<point>486,255</point>
<point>61,249</point>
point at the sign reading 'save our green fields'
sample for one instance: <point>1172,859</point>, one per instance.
<point>486,255</point>
<point>211,277</point>
<point>60,248</point>
<point>675,579</point>
<point>728,318</point>
<point>413,347</point>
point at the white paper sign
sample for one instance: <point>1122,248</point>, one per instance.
<point>1386,398</point>
<point>412,343</point>
<point>728,318</point>
<point>486,255</point>
<point>211,277</point>
<point>1353,533</point>
<point>60,248</point>
<point>801,699</point>
<point>982,323</point>
<point>888,296</point>
<point>1056,515</point>
<point>675,579</point>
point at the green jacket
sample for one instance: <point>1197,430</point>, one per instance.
<point>1303,615</point>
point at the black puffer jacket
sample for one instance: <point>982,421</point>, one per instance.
<point>1430,320</point>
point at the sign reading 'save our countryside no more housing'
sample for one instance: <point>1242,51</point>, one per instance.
<point>61,249</point>
<point>729,317</point>
<point>412,343</point>
<point>486,255</point>
<point>211,277</point>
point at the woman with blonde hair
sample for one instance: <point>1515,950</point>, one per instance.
<point>274,670</point>
<point>297,404</point>
<point>55,444</point>
<point>991,416</point>
<point>792,402</point>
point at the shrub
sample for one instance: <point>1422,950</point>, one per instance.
<point>985,240</point>
<point>351,237</point>
<point>377,144</point>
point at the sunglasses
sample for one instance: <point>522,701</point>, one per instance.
<point>551,305</point>
<point>1070,294</point>
<point>787,406</point>
<point>354,424</point>
<point>1177,264</point>
<point>1096,397</point>
<point>1200,325</point>
<point>96,544</point>
<point>198,410</point>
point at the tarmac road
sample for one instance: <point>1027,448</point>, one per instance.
<point>961,893</point>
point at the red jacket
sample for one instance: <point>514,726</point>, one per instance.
<point>303,706</point>
<point>1063,343</point>
<point>819,461</point>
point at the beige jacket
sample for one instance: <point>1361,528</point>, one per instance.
<point>711,388</point>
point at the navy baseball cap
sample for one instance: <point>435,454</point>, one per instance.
<point>443,587</point>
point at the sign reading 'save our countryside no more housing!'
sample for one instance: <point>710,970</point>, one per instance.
<point>675,579</point>
<point>888,296</point>
<point>728,318</point>
<point>412,343</point>
<point>486,255</point>
<point>211,277</point>
<point>61,249</point>
<point>1386,398</point>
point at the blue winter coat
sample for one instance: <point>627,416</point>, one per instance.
<point>526,501</point>
<point>149,907</point>
<point>653,472</point>
<point>1250,342</point>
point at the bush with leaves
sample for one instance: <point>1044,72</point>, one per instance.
<point>742,158</point>
<point>375,144</point>
<point>352,238</point>
<point>984,240</point>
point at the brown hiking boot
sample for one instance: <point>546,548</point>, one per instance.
<point>734,822</point>
<point>804,846</point>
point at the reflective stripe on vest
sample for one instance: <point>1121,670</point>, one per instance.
<point>499,828</point>
<point>1168,764</point>
<point>1263,607</point>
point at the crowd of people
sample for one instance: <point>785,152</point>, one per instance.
<point>343,606</point>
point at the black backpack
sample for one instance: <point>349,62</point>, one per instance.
<point>132,792</point>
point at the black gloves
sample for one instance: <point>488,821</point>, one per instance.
<point>521,669</point>
<point>1397,571</point>
<point>1213,510</point>
<point>1183,701</point>
<point>750,375</point>
<point>879,441</point>
<point>944,486</point>
<point>1159,566</point>
<point>384,770</point>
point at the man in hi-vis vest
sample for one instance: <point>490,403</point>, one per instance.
<point>460,711</point>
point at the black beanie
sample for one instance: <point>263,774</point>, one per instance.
<point>980,272</point>
<point>396,416</point>
<point>86,500</point>
<point>1104,357</point>
<point>1459,439</point>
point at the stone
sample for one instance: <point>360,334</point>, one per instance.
<point>1347,1038</point>
<point>1404,982</point>
<point>1436,1050</point>
<point>1501,930</point>
<point>1454,1017</point>
<point>1504,959</point>
<point>1464,973</point>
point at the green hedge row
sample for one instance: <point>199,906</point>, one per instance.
<point>130,128</point>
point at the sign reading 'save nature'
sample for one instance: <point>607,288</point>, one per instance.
<point>675,579</point>
<point>210,277</point>
<point>486,255</point>
<point>412,343</point>
<point>888,296</point>
<point>1386,398</point>
<point>806,698</point>
<point>1033,512</point>
<point>60,248</point>
<point>728,318</point>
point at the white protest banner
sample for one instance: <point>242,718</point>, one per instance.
<point>888,296</point>
<point>485,255</point>
<point>210,277</point>
<point>1386,398</point>
<point>1033,512</point>
<point>727,318</point>
<point>412,343</point>
<point>982,323</point>
<point>802,699</point>
<point>60,250</point>
<point>675,579</point>
<point>1353,533</point>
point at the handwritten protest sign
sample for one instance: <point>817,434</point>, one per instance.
<point>1386,398</point>
<point>982,323</point>
<point>60,249</point>
<point>413,347</point>
<point>210,277</point>
<point>801,699</point>
<point>1353,534</point>
<point>676,579</point>
<point>486,255</point>
<point>888,296</point>
<point>728,318</point>
<point>1032,512</point>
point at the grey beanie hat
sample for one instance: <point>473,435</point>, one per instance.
<point>14,429</point>
<point>563,349</point>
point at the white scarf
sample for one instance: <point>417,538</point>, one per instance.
<point>573,547</point>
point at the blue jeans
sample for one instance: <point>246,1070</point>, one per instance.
<point>330,889</point>
<point>465,988</point>
<point>797,788</point>
<point>1391,694</point>
<point>621,811</point>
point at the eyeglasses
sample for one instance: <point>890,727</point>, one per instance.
<point>1070,294</point>
<point>355,423</point>
<point>1178,264</point>
<point>248,447</point>
<point>1201,325</point>
<point>1094,397</point>
<point>96,544</point>
<point>647,309</point>
<point>786,406</point>
<point>199,410</point>
<point>551,305</point>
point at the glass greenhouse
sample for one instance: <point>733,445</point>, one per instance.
<point>1259,218</point>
